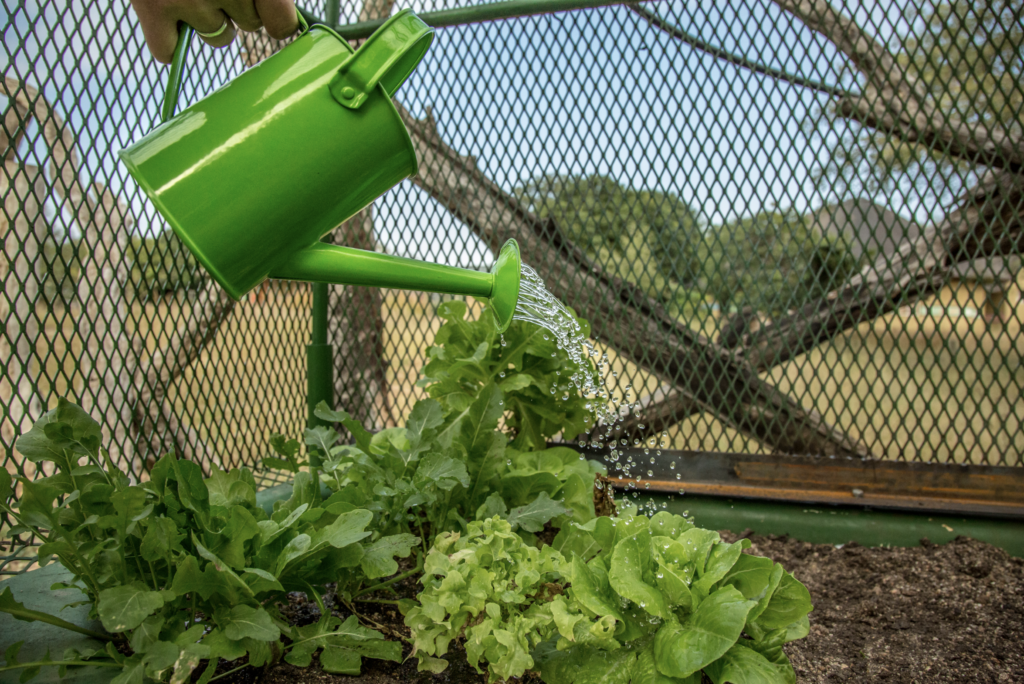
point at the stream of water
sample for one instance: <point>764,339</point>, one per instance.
<point>537,305</point>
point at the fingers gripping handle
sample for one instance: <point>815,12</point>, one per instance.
<point>177,71</point>
<point>386,58</point>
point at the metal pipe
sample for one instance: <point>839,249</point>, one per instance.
<point>320,354</point>
<point>473,14</point>
<point>319,366</point>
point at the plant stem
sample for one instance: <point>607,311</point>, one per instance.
<point>396,578</point>
<point>316,597</point>
<point>225,674</point>
<point>385,602</point>
<point>58,663</point>
<point>82,562</point>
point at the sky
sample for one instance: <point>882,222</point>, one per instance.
<point>596,91</point>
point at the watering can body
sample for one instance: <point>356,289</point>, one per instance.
<point>251,177</point>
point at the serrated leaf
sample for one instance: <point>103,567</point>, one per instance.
<point>426,415</point>
<point>535,514</point>
<point>284,447</point>
<point>230,489</point>
<point>65,427</point>
<point>359,433</point>
<point>443,471</point>
<point>680,649</point>
<point>321,437</point>
<point>379,557</point>
<point>125,607</point>
<point>275,463</point>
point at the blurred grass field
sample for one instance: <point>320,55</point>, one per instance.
<point>910,385</point>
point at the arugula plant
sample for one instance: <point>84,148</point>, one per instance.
<point>627,599</point>
<point>183,568</point>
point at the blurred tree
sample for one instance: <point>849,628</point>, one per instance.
<point>773,262</point>
<point>646,237</point>
<point>968,60</point>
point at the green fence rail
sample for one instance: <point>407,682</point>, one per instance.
<point>816,208</point>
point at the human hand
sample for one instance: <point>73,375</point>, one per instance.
<point>159,20</point>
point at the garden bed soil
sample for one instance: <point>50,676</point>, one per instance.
<point>929,614</point>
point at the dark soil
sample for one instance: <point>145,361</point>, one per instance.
<point>924,615</point>
<point>928,614</point>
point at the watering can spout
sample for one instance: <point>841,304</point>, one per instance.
<point>325,263</point>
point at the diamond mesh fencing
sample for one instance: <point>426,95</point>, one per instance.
<point>794,227</point>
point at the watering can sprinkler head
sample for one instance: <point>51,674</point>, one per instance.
<point>505,293</point>
<point>237,179</point>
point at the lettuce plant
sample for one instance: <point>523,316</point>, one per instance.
<point>625,599</point>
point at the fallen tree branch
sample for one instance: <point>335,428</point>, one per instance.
<point>621,315</point>
<point>987,224</point>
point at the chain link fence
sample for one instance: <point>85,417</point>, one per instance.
<point>794,227</point>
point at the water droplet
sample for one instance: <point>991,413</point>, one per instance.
<point>501,374</point>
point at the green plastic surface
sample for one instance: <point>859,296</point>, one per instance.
<point>839,525</point>
<point>33,590</point>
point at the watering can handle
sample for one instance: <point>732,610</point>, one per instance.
<point>386,58</point>
<point>178,67</point>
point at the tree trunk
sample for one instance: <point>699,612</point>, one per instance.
<point>620,314</point>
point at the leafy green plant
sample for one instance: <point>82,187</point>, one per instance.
<point>477,447</point>
<point>184,568</point>
<point>630,599</point>
<point>534,376</point>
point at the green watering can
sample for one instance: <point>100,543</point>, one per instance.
<point>251,177</point>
